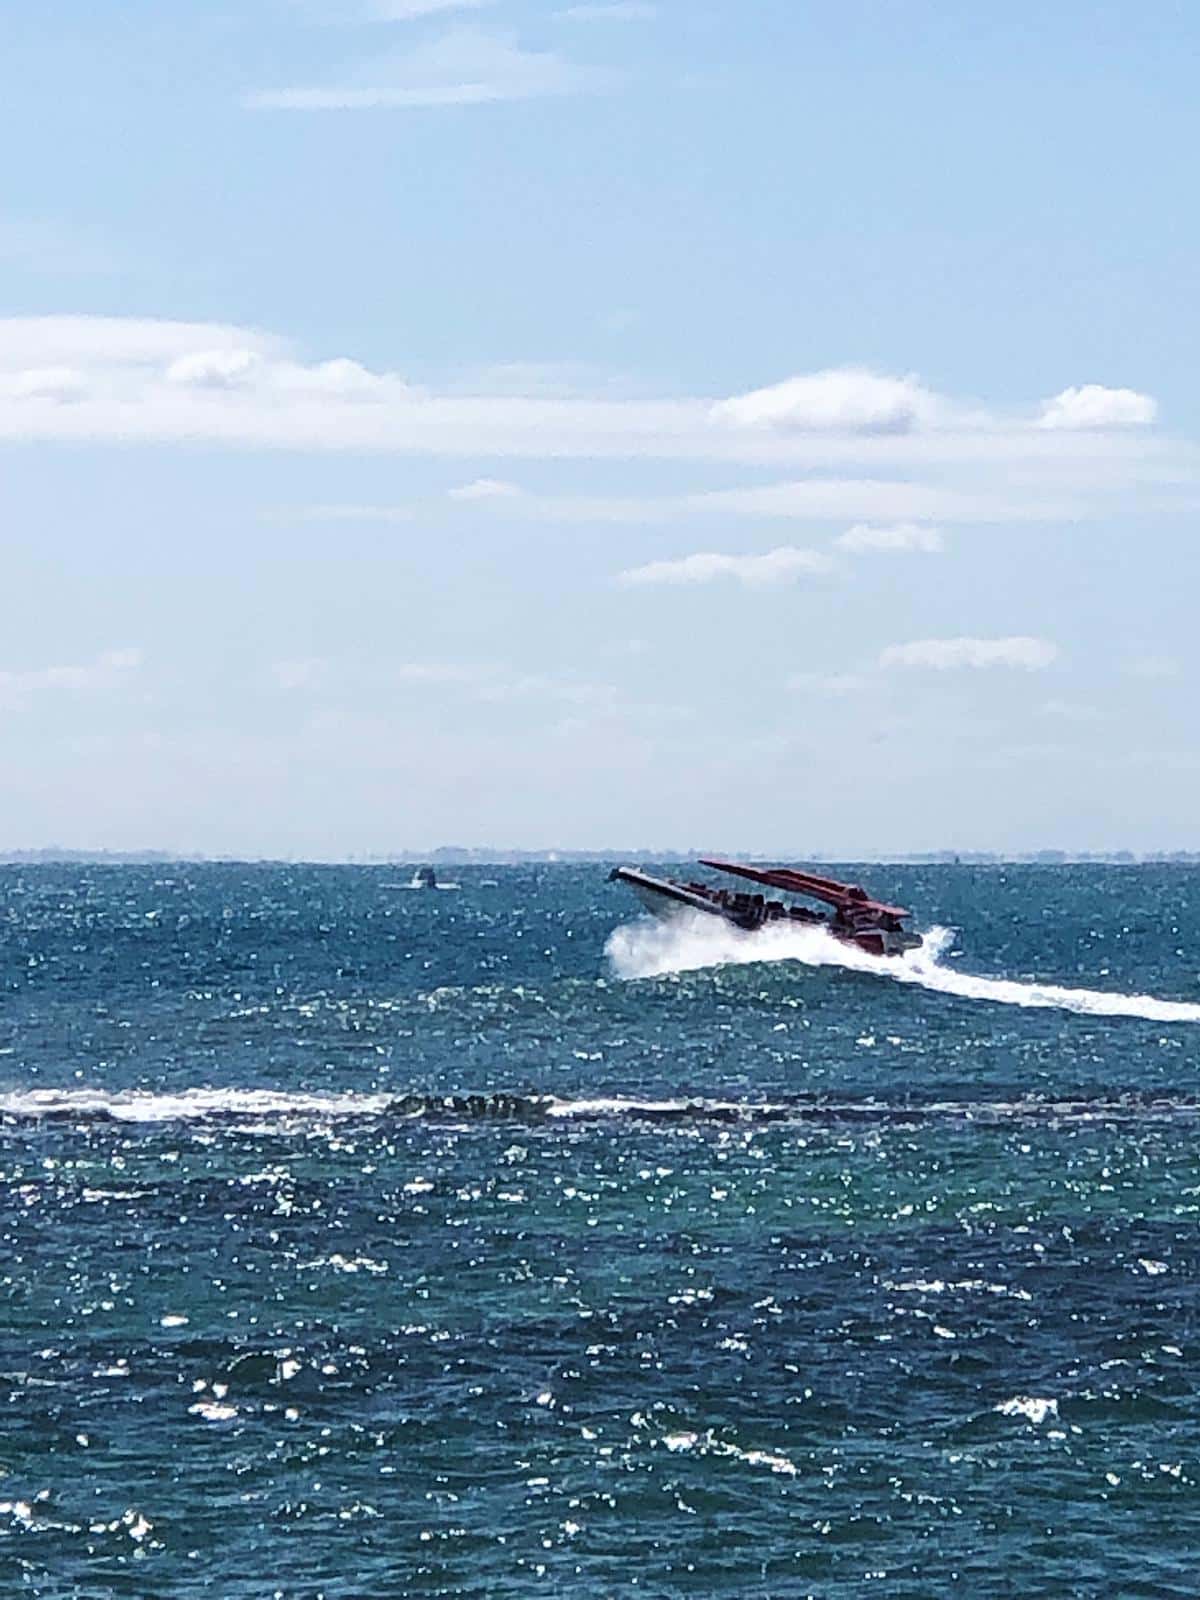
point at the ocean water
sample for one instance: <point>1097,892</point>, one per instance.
<point>359,1242</point>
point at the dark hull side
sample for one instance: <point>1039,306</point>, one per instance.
<point>664,897</point>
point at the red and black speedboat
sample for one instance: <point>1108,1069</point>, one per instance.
<point>853,917</point>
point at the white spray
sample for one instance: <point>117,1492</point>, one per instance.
<point>650,948</point>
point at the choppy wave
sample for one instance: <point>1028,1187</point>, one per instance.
<point>270,1110</point>
<point>651,948</point>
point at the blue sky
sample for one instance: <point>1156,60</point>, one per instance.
<point>763,427</point>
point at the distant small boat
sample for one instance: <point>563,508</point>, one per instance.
<point>423,878</point>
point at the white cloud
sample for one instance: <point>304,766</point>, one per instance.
<point>465,66</point>
<point>116,341</point>
<point>783,565</point>
<point>950,654</point>
<point>899,536</point>
<point>485,489</point>
<point>347,379</point>
<point>45,383</point>
<point>1094,406</point>
<point>846,399</point>
<point>142,381</point>
<point>107,671</point>
<point>214,369</point>
<point>243,368</point>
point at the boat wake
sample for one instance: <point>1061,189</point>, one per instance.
<point>653,948</point>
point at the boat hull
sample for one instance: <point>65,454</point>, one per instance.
<point>663,897</point>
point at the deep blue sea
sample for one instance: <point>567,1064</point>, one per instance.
<point>360,1242</point>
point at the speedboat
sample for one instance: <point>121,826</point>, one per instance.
<point>853,917</point>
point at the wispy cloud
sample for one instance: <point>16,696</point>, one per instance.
<point>138,380</point>
<point>465,66</point>
<point>485,489</point>
<point>901,536</point>
<point>1094,406</point>
<point>488,682</point>
<point>884,498</point>
<point>944,655</point>
<point>783,565</point>
<point>802,500</point>
<point>107,671</point>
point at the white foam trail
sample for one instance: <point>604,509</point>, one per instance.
<point>625,1105</point>
<point>652,948</point>
<point>189,1105</point>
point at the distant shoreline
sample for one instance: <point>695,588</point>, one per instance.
<point>452,856</point>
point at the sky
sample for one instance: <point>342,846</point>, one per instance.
<point>764,426</point>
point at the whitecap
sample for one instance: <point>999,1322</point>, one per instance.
<point>1030,1407</point>
<point>212,1411</point>
<point>188,1105</point>
<point>680,1441</point>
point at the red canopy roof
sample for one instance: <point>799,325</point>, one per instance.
<point>845,896</point>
